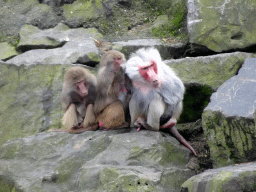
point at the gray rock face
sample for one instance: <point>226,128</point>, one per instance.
<point>211,70</point>
<point>167,51</point>
<point>222,25</point>
<point>7,51</point>
<point>237,96</point>
<point>64,46</point>
<point>230,179</point>
<point>229,119</point>
<point>30,99</point>
<point>119,160</point>
<point>14,14</point>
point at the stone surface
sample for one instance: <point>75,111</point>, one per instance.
<point>229,119</point>
<point>30,99</point>
<point>14,14</point>
<point>117,160</point>
<point>222,25</point>
<point>82,12</point>
<point>7,51</point>
<point>236,178</point>
<point>60,45</point>
<point>211,70</point>
<point>167,51</point>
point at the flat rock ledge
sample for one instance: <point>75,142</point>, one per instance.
<point>236,178</point>
<point>117,160</point>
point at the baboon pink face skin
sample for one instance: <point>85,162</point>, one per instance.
<point>150,73</point>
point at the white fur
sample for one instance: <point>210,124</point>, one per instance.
<point>142,57</point>
<point>171,88</point>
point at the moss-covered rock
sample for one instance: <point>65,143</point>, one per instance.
<point>228,121</point>
<point>15,13</point>
<point>212,71</point>
<point>30,99</point>
<point>231,179</point>
<point>7,51</point>
<point>117,160</point>
<point>82,11</point>
<point>222,25</point>
<point>173,23</point>
<point>59,45</point>
<point>196,98</point>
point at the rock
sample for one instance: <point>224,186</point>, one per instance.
<point>116,160</point>
<point>229,119</point>
<point>211,70</point>
<point>7,51</point>
<point>43,16</point>
<point>82,12</point>
<point>64,46</point>
<point>167,50</point>
<point>235,178</point>
<point>33,38</point>
<point>222,25</point>
<point>160,21</point>
<point>30,99</point>
<point>14,14</point>
<point>52,2</point>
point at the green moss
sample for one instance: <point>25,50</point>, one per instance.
<point>174,178</point>
<point>171,155</point>
<point>67,167</point>
<point>10,151</point>
<point>13,40</point>
<point>230,139</point>
<point>196,98</point>
<point>108,175</point>
<point>177,16</point>
<point>246,177</point>
<point>219,181</point>
<point>6,186</point>
<point>145,156</point>
<point>94,57</point>
<point>82,11</point>
<point>160,5</point>
<point>120,180</point>
<point>23,102</point>
<point>189,184</point>
<point>16,41</point>
<point>133,183</point>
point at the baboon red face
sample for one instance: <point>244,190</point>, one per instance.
<point>150,73</point>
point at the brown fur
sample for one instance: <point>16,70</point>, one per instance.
<point>110,83</point>
<point>112,116</point>
<point>78,110</point>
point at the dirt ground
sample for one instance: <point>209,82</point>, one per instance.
<point>193,133</point>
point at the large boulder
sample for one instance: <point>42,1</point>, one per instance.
<point>222,25</point>
<point>30,99</point>
<point>229,119</point>
<point>118,160</point>
<point>59,45</point>
<point>83,12</point>
<point>168,51</point>
<point>15,13</point>
<point>236,178</point>
<point>212,70</point>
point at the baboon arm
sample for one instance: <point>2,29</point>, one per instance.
<point>89,119</point>
<point>70,117</point>
<point>155,111</point>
